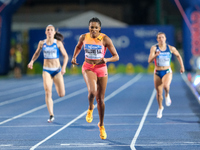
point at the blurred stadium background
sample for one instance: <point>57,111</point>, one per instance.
<point>131,24</point>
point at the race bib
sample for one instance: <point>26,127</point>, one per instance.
<point>93,51</point>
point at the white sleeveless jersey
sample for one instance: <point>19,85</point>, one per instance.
<point>164,58</point>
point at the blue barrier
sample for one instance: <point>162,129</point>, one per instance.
<point>7,8</point>
<point>132,43</point>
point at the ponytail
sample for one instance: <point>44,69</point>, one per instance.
<point>59,36</point>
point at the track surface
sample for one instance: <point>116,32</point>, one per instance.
<point>130,116</point>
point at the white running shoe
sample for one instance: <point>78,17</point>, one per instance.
<point>168,100</point>
<point>51,119</point>
<point>159,113</point>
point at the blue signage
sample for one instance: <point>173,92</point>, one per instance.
<point>132,43</point>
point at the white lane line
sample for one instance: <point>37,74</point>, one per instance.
<point>5,145</point>
<point>135,79</point>
<point>113,115</point>
<point>55,101</point>
<point>70,84</point>
<point>19,89</point>
<point>23,82</point>
<point>116,124</point>
<point>126,85</point>
<point>132,146</point>
<point>28,87</point>
<point>85,144</point>
<point>9,83</point>
<point>70,147</point>
<point>162,144</point>
<point>43,106</point>
<point>78,145</point>
<point>196,94</point>
<point>21,98</point>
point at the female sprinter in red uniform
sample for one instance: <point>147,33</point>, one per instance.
<point>94,68</point>
<point>161,55</point>
<point>52,70</point>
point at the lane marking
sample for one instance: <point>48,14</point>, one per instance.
<point>23,82</point>
<point>70,84</point>
<point>181,143</point>
<point>28,87</point>
<point>9,83</point>
<point>84,144</point>
<point>21,98</point>
<point>5,145</point>
<point>42,92</point>
<point>67,146</point>
<point>55,101</point>
<point>143,145</point>
<point>116,124</point>
<point>132,146</point>
<point>44,105</point>
<point>126,85</point>
<point>19,89</point>
<point>78,145</point>
<point>112,115</point>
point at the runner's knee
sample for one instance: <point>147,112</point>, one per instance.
<point>166,88</point>
<point>92,93</point>
<point>100,101</point>
<point>61,94</point>
<point>48,93</point>
<point>159,93</point>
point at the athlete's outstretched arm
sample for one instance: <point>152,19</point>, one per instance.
<point>178,56</point>
<point>36,54</point>
<point>78,49</point>
<point>153,54</point>
<point>65,56</point>
<point>108,43</point>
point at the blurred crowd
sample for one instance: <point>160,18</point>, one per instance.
<point>16,60</point>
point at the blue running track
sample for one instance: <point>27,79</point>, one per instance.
<point>130,116</point>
